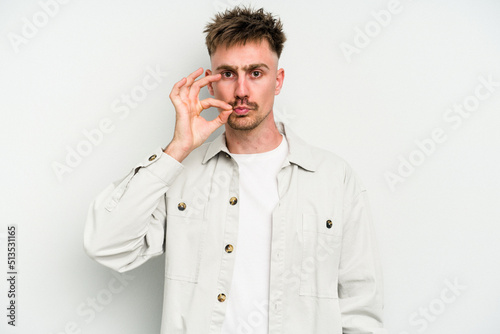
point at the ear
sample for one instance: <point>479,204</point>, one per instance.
<point>279,81</point>
<point>209,86</point>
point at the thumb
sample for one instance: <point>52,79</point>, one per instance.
<point>224,115</point>
<point>219,120</point>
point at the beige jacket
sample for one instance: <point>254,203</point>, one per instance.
<point>325,273</point>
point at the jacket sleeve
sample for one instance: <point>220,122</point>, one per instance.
<point>360,279</point>
<point>125,225</point>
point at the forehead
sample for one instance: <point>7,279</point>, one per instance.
<point>242,55</point>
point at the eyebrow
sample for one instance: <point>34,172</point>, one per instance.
<point>245,68</point>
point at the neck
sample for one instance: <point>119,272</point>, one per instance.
<point>263,138</point>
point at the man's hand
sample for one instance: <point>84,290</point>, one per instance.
<point>191,130</point>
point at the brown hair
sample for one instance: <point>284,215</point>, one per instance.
<point>242,24</point>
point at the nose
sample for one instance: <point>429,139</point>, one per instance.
<point>241,89</point>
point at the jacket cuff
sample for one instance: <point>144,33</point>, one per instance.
<point>163,166</point>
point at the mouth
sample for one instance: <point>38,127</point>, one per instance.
<point>241,110</point>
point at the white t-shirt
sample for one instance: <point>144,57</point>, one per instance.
<point>248,297</point>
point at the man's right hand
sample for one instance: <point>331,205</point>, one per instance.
<point>191,130</point>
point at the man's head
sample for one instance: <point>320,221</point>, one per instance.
<point>244,47</point>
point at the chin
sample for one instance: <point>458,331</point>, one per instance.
<point>243,123</point>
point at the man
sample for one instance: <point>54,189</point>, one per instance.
<point>261,232</point>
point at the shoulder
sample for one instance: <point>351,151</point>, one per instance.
<point>326,159</point>
<point>330,162</point>
<point>311,157</point>
<point>326,166</point>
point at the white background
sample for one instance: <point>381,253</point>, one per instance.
<point>438,225</point>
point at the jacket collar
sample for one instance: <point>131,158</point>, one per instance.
<point>299,152</point>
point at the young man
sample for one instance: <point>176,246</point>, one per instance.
<point>261,232</point>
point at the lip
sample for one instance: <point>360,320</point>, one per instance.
<point>241,110</point>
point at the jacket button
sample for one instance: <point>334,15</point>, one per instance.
<point>329,223</point>
<point>151,158</point>
<point>233,200</point>
<point>221,297</point>
<point>181,206</point>
<point>229,248</point>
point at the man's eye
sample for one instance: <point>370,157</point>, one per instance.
<point>227,74</point>
<point>256,74</point>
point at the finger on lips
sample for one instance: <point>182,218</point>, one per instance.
<point>211,102</point>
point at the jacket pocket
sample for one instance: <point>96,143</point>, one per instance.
<point>184,240</point>
<point>322,238</point>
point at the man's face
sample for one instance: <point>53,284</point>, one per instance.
<point>250,80</point>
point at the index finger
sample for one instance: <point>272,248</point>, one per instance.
<point>198,84</point>
<point>192,77</point>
